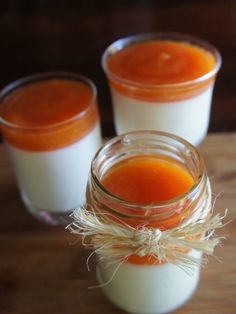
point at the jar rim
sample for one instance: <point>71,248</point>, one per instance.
<point>40,77</point>
<point>162,204</point>
<point>122,43</point>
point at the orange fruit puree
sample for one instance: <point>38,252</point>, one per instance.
<point>147,181</point>
<point>160,63</point>
<point>48,114</point>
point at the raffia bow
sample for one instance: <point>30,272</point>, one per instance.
<point>113,240</point>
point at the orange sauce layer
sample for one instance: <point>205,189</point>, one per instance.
<point>49,114</point>
<point>146,181</point>
<point>159,63</point>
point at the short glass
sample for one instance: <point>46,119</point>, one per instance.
<point>52,148</point>
<point>181,108</point>
<point>147,286</point>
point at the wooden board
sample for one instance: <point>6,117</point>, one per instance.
<point>42,268</point>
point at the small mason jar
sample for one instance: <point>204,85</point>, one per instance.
<point>50,125</point>
<point>143,284</point>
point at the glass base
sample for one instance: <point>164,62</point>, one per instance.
<point>52,218</point>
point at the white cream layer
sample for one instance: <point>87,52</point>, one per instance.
<point>56,180</point>
<point>187,118</point>
<point>148,289</point>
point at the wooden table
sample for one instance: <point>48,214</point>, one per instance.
<point>42,270</point>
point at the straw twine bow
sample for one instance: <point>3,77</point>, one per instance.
<point>116,240</point>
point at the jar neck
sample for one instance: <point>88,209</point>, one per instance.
<point>163,215</point>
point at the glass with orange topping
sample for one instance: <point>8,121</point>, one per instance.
<point>50,124</point>
<point>162,81</point>
<point>147,179</point>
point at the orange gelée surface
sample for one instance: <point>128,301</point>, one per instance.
<point>48,115</point>
<point>146,181</point>
<point>159,63</point>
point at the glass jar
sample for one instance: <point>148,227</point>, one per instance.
<point>138,284</point>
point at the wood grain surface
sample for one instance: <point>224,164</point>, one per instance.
<point>42,268</point>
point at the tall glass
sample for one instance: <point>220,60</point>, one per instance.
<point>50,125</point>
<point>160,93</point>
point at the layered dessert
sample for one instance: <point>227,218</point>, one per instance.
<point>145,284</point>
<point>51,128</point>
<point>162,83</point>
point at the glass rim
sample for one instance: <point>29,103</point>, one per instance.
<point>45,76</point>
<point>162,204</point>
<point>124,42</point>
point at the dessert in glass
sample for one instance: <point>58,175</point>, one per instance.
<point>50,125</point>
<point>162,81</point>
<point>143,183</point>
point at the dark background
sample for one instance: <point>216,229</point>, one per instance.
<point>71,35</point>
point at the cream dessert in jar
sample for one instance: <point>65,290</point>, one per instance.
<point>50,125</point>
<point>145,180</point>
<point>162,82</point>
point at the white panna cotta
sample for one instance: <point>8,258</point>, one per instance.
<point>148,289</point>
<point>188,118</point>
<point>56,180</point>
